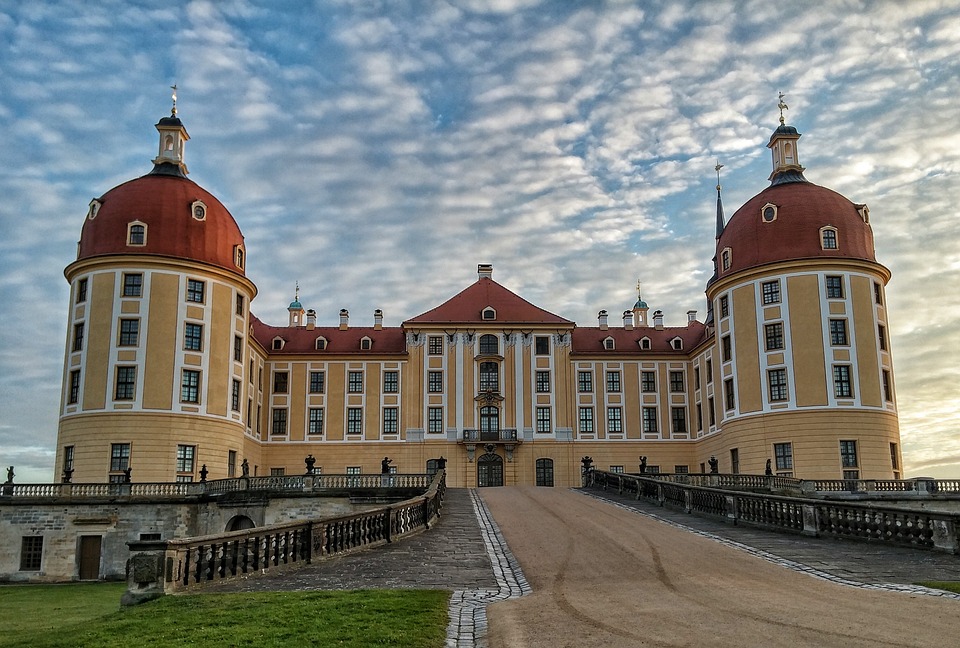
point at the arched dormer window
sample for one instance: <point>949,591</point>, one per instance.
<point>645,344</point>
<point>489,345</point>
<point>768,213</point>
<point>609,344</point>
<point>676,344</point>
<point>320,344</point>
<point>137,233</point>
<point>864,213</point>
<point>278,343</point>
<point>94,208</point>
<point>198,210</point>
<point>726,258</point>
<point>366,343</point>
<point>489,313</point>
<point>828,238</point>
<point>238,256</point>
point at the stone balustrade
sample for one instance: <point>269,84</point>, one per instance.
<point>813,517</point>
<point>156,568</point>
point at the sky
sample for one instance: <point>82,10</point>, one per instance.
<point>376,152</point>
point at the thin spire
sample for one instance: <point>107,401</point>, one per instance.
<point>720,219</point>
<point>639,291</point>
<point>782,106</point>
<point>173,111</point>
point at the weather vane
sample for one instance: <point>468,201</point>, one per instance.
<point>717,169</point>
<point>174,96</point>
<point>782,106</point>
<point>639,293</point>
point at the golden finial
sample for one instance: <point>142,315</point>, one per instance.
<point>782,106</point>
<point>717,169</point>
<point>173,112</point>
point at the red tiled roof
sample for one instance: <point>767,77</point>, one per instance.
<point>802,209</point>
<point>467,308</point>
<point>163,202</point>
<point>298,340</point>
<point>590,339</point>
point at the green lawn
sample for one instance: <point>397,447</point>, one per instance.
<point>950,586</point>
<point>90,615</point>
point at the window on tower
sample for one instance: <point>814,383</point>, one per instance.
<point>136,234</point>
<point>771,292</point>
<point>132,284</point>
<point>828,238</point>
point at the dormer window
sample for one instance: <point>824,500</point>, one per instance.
<point>278,343</point>
<point>320,344</point>
<point>238,256</point>
<point>726,258</point>
<point>645,344</point>
<point>94,208</point>
<point>609,344</point>
<point>828,238</point>
<point>199,210</point>
<point>136,233</point>
<point>864,212</point>
<point>489,313</point>
<point>365,343</point>
<point>768,213</point>
<point>677,344</point>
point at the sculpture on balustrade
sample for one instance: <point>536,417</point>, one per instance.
<point>768,470</point>
<point>67,475</point>
<point>309,461</point>
<point>126,475</point>
<point>643,464</point>
<point>587,462</point>
<point>714,464</point>
<point>8,485</point>
<point>441,463</point>
<point>245,468</point>
<point>385,466</point>
<point>203,473</point>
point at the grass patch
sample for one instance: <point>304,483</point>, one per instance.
<point>396,618</point>
<point>28,609</point>
<point>950,586</point>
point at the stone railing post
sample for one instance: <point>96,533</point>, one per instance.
<point>926,485</point>
<point>870,485</point>
<point>808,488</point>
<point>146,572</point>
<point>945,535</point>
<point>660,496</point>
<point>732,510</point>
<point>687,500</point>
<point>810,522</point>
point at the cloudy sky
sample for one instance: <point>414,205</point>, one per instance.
<point>377,151</point>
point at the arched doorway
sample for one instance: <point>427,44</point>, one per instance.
<point>239,523</point>
<point>544,472</point>
<point>490,470</point>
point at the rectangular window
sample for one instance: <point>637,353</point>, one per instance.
<point>585,381</point>
<point>74,395</point>
<point>842,387</point>
<point>391,382</point>
<point>240,305</point>
<point>235,396</point>
<point>489,377</point>
<point>783,453</point>
<point>192,337</point>
<point>81,291</point>
<point>771,292</point>
<point>712,412</point>
<point>649,419</point>
<point>132,284</point>
<point>648,382</point>
<point>543,420</point>
<point>190,386</point>
<point>726,348</point>
<point>355,382</point>
<point>435,420</point>
<point>882,336</point>
<point>435,382</point>
<point>231,463</point>
<point>877,293</point>
<point>678,419</point>
<point>68,457</point>
<point>848,454</point>
<point>709,371</point>
<point>614,420</point>
<point>834,287</point>
<point>887,392</point>
<point>278,472</point>
<point>681,470</point>
<point>613,382</point>
<point>543,382</point>
<point>696,377</point>
<point>777,384</point>
<point>542,345</point>
<point>185,454</point>
<point>699,416</point>
<point>119,456</point>
<point>316,382</point>
<point>78,336</point>
<point>729,396</point>
<point>31,553</point>
<point>735,461</point>
<point>894,457</point>
<point>676,381</point>
<point>315,424</point>
<point>435,345</point>
<point>838,332</point>
<point>354,420</point>
<point>237,348</point>
<point>195,291</point>
<point>586,419</point>
<point>773,336</point>
<point>279,426</point>
<point>616,469</point>
<point>724,306</point>
<point>281,382</point>
<point>391,420</point>
<point>126,383</point>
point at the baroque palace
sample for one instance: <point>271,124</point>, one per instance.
<point>168,375</point>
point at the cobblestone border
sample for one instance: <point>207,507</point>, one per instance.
<point>468,608</point>
<point>784,562</point>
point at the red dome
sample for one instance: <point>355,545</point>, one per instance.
<point>164,204</point>
<point>802,209</point>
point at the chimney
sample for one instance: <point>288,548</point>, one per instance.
<point>602,317</point>
<point>658,320</point>
<point>311,319</point>
<point>485,270</point>
<point>378,319</point>
<point>628,320</point>
<point>691,317</point>
<point>344,319</point>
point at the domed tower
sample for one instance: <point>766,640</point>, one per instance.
<point>802,358</point>
<point>155,380</point>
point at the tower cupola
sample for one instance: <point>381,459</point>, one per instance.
<point>173,137</point>
<point>296,309</point>
<point>783,146</point>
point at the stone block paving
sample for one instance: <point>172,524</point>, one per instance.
<point>868,565</point>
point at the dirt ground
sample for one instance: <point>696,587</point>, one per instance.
<point>602,576</point>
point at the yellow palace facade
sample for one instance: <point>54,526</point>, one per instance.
<point>168,376</point>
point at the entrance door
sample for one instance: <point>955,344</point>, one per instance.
<point>490,470</point>
<point>90,557</point>
<point>489,423</point>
